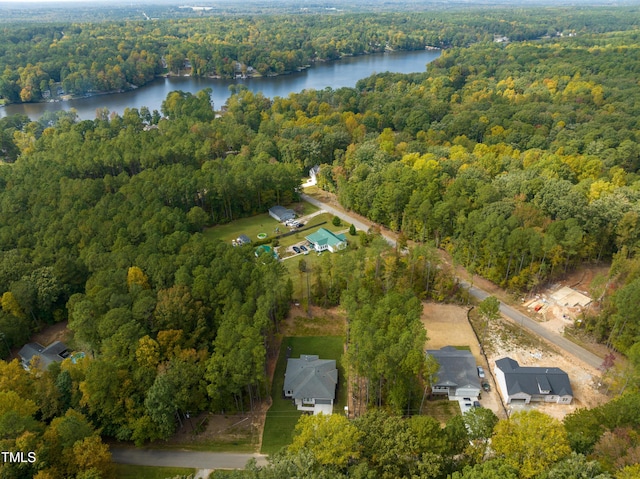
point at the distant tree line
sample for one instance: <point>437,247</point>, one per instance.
<point>37,61</point>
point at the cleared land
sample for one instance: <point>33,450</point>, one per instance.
<point>447,325</point>
<point>283,415</point>
<point>253,225</point>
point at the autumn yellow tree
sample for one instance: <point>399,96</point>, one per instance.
<point>332,439</point>
<point>530,441</point>
<point>136,277</point>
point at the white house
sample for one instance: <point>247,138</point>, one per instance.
<point>311,383</point>
<point>526,384</point>
<point>313,175</point>
<point>324,239</point>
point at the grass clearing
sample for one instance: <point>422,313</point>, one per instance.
<point>254,225</point>
<point>128,471</point>
<point>283,415</point>
<point>441,409</point>
<point>251,227</point>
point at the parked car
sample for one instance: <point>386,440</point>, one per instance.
<point>481,372</point>
<point>486,386</point>
<point>476,404</point>
<point>303,248</point>
<point>296,249</point>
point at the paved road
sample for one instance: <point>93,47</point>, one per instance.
<point>344,216</point>
<point>535,327</point>
<point>524,321</point>
<point>173,458</point>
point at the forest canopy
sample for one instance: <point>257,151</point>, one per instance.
<point>46,60</point>
<point>519,158</point>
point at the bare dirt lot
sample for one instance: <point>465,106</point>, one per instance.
<point>506,339</point>
<point>447,325</point>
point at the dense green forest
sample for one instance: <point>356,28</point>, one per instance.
<point>41,60</point>
<point>520,159</point>
<point>592,444</point>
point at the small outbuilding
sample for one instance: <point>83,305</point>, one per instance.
<point>281,214</point>
<point>43,357</point>
<point>524,384</point>
<point>242,240</point>
<point>311,383</point>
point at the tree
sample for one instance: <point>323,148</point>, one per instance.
<point>352,230</point>
<point>91,455</point>
<point>136,278</point>
<point>576,466</point>
<point>493,469</point>
<point>530,441</point>
<point>336,221</point>
<point>332,439</point>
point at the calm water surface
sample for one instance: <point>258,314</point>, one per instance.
<point>342,73</point>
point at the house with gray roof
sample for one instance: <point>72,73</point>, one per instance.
<point>524,384</point>
<point>457,376</point>
<point>281,214</point>
<point>311,383</point>
<point>55,352</point>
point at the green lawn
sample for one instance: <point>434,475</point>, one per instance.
<point>251,226</point>
<point>262,223</point>
<point>283,416</point>
<point>318,221</point>
<point>126,471</point>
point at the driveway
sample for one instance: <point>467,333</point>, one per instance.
<point>346,217</point>
<point>182,458</point>
<point>519,318</point>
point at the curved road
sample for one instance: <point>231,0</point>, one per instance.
<point>524,321</point>
<point>195,459</point>
<point>344,216</point>
<point>535,327</point>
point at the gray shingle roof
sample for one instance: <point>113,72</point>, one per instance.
<point>311,377</point>
<point>282,213</point>
<point>534,380</point>
<point>457,367</point>
<point>56,351</point>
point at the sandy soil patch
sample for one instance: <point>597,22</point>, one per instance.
<point>447,325</point>
<point>506,339</point>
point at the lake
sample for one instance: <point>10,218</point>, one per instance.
<point>337,74</point>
